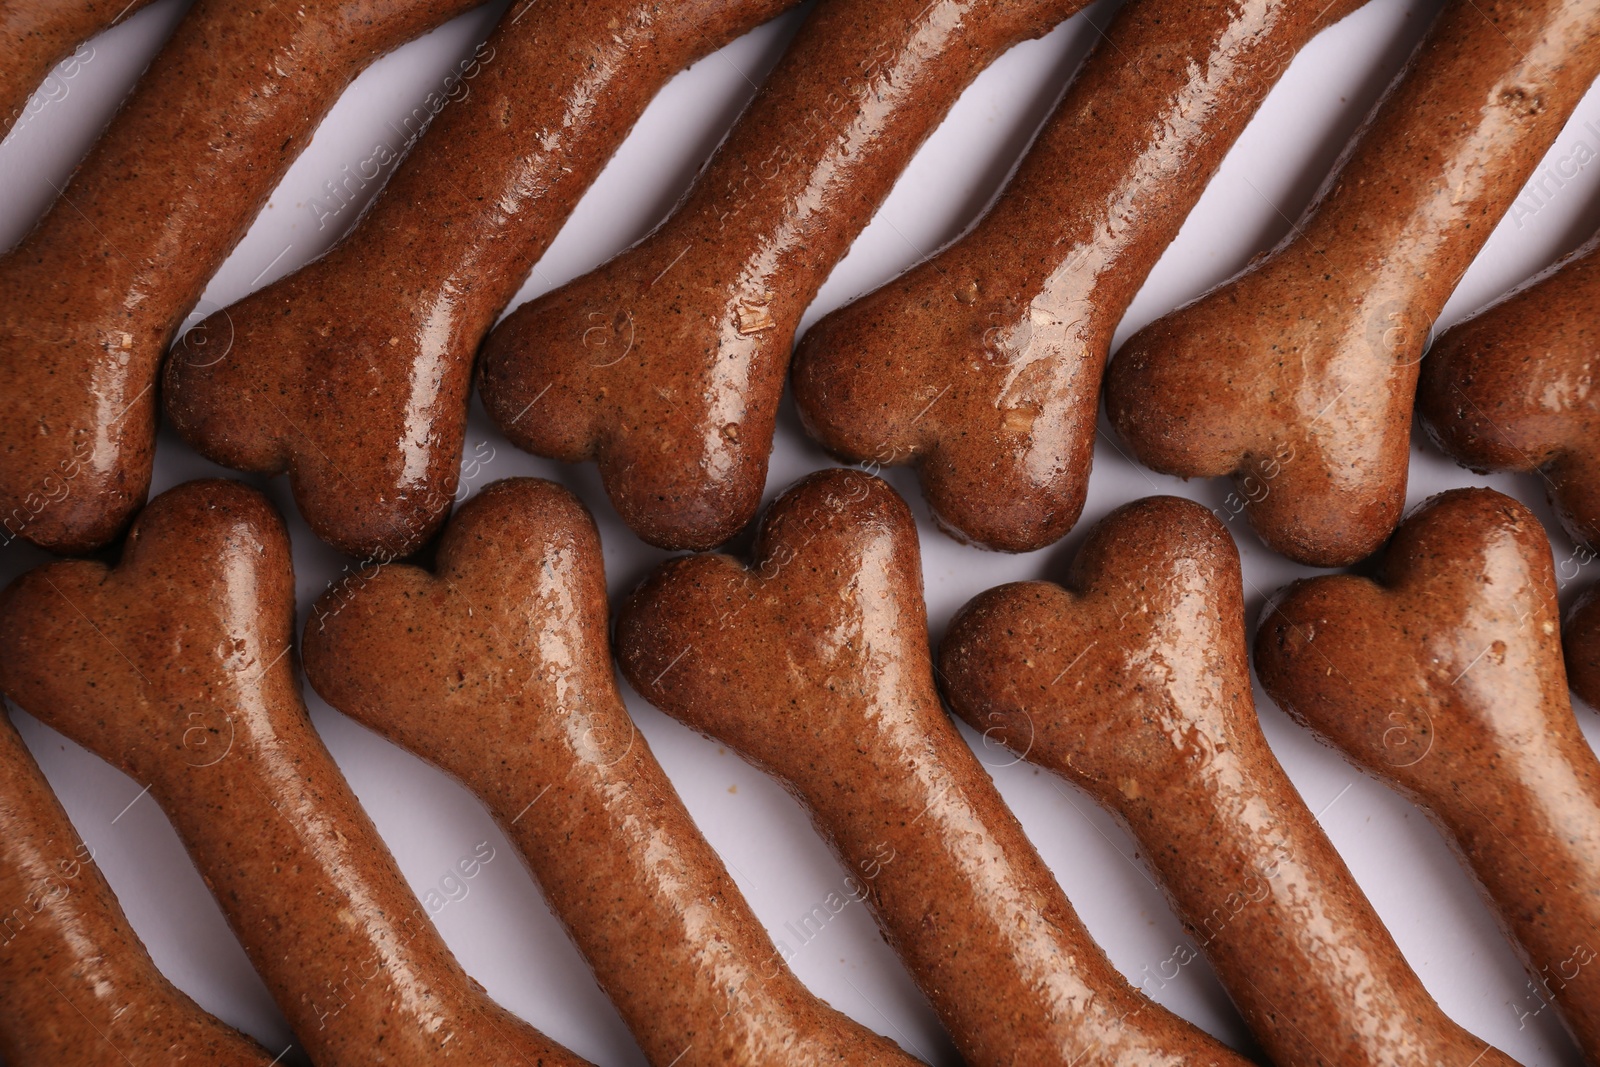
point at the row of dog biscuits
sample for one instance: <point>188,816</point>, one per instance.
<point>1132,682</point>
<point>981,366</point>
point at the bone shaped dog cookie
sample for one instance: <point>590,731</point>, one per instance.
<point>814,664</point>
<point>497,667</point>
<point>76,984</point>
<point>177,665</point>
<point>1513,388</point>
<point>981,366</point>
<point>1298,375</point>
<point>352,373</point>
<point>666,364</point>
<point>91,298</point>
<point>35,35</point>
<point>1444,678</point>
<point>1133,682</point>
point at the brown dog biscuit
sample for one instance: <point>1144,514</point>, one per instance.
<point>1445,679</point>
<point>91,298</point>
<point>813,664</point>
<point>981,366</point>
<point>497,667</point>
<point>35,35</point>
<point>177,665</point>
<point>76,984</point>
<point>1133,682</point>
<point>352,374</point>
<point>1298,374</point>
<point>1510,389</point>
<point>666,364</point>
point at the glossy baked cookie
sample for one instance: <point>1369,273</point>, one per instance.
<point>177,665</point>
<point>666,364</point>
<point>1133,683</point>
<point>1298,375</point>
<point>1444,678</point>
<point>76,984</point>
<point>981,366</point>
<point>91,298</point>
<point>352,373</point>
<point>1513,388</point>
<point>813,663</point>
<point>497,667</point>
<point>35,35</point>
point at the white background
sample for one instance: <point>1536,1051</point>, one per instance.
<point>501,930</point>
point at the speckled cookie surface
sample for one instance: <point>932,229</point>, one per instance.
<point>981,366</point>
<point>1514,388</point>
<point>1296,378</point>
<point>813,663</point>
<point>497,667</point>
<point>92,296</point>
<point>35,35</point>
<point>1133,682</point>
<point>177,665</point>
<point>666,364</point>
<point>76,985</point>
<point>1445,679</point>
<point>352,374</point>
